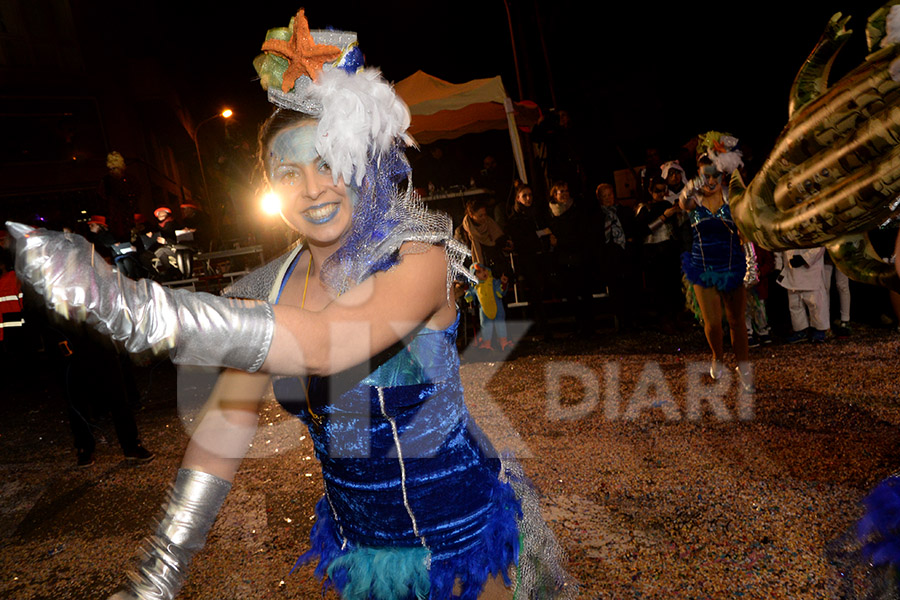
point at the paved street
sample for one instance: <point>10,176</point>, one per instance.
<point>652,493</point>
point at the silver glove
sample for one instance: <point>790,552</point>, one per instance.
<point>194,502</point>
<point>197,328</point>
<point>690,188</point>
<point>751,276</point>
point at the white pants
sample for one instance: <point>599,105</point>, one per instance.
<point>843,288</point>
<point>813,301</point>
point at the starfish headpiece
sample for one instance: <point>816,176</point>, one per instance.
<point>721,148</point>
<point>294,57</point>
<point>320,73</point>
<point>304,55</point>
<point>361,134</point>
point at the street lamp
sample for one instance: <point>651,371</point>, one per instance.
<point>225,114</point>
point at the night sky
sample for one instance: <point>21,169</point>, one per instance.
<point>635,74</point>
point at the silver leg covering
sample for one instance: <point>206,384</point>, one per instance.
<point>195,500</point>
<point>197,328</point>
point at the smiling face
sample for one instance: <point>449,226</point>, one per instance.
<point>712,176</point>
<point>311,202</point>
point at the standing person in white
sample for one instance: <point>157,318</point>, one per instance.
<point>802,275</point>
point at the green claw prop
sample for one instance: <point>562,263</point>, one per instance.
<point>834,172</point>
<point>855,254</point>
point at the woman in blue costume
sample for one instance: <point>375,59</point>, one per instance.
<point>358,326</point>
<point>716,264</point>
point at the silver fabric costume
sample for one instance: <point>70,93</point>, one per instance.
<point>197,328</point>
<point>194,502</point>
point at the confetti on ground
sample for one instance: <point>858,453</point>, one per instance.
<point>656,483</point>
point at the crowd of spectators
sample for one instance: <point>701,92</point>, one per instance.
<point>571,258</point>
<point>571,252</point>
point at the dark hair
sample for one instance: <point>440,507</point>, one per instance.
<point>654,181</point>
<point>473,205</point>
<point>558,186</point>
<point>520,187</point>
<point>704,159</point>
<point>278,121</point>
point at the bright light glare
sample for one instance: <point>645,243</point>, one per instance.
<point>271,203</point>
<point>227,113</point>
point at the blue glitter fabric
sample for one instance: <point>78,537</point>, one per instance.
<point>405,468</point>
<point>879,528</point>
<point>716,258</point>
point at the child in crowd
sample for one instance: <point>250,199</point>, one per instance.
<point>802,275</point>
<point>488,292</point>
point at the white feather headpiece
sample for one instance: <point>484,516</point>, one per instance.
<point>721,148</point>
<point>360,119</point>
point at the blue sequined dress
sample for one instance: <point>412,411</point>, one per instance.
<point>716,258</point>
<point>416,499</point>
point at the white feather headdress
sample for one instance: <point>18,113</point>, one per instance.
<point>361,118</point>
<point>721,148</point>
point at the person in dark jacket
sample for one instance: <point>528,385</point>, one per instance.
<point>656,223</point>
<point>619,270</point>
<point>532,242</point>
<point>110,248</point>
<point>570,225</point>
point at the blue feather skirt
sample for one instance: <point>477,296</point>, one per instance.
<point>407,573</point>
<point>724,277</point>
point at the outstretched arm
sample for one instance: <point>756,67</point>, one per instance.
<point>227,424</point>
<point>368,319</point>
<point>202,329</point>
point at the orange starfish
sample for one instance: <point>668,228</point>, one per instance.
<point>305,56</point>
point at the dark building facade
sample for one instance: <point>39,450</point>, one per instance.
<point>73,90</point>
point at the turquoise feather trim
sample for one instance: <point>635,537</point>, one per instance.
<point>382,573</point>
<point>411,573</point>
<point>723,281</point>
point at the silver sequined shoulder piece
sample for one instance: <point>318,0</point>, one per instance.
<point>257,284</point>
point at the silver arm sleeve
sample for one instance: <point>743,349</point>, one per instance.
<point>751,276</point>
<point>194,502</point>
<point>197,328</point>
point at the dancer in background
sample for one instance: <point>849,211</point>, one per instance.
<point>716,264</point>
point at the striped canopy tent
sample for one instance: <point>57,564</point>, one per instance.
<point>444,111</point>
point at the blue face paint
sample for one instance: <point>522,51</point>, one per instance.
<point>710,170</point>
<point>293,147</point>
<point>313,203</point>
<point>297,146</point>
